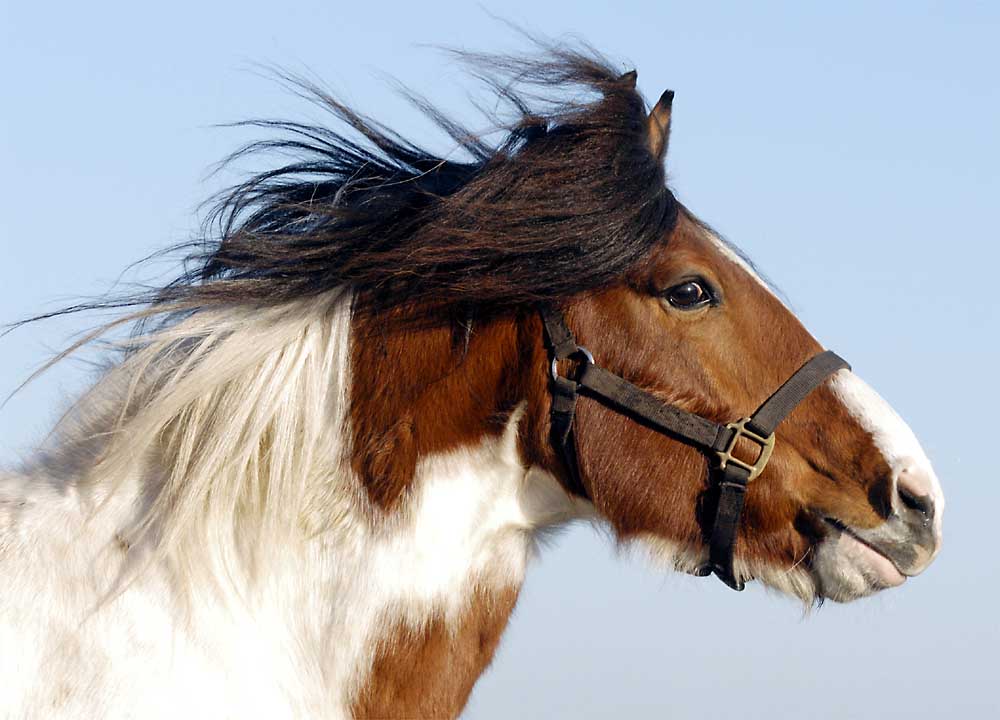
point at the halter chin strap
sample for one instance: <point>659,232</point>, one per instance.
<point>730,473</point>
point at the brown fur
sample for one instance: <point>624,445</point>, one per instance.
<point>429,672</point>
<point>420,391</point>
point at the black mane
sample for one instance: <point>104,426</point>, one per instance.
<point>568,201</point>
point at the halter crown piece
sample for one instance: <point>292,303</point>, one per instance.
<point>730,474</point>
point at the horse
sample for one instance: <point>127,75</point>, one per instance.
<point>309,483</point>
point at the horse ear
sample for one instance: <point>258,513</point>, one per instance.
<point>659,125</point>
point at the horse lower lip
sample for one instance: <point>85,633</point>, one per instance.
<point>856,549</point>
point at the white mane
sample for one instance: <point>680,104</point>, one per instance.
<point>228,424</point>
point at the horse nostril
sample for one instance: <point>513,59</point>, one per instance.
<point>921,503</point>
<point>915,491</point>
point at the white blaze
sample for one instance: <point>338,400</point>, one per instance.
<point>890,433</point>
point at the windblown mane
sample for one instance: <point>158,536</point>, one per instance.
<point>566,202</point>
<point>232,394</point>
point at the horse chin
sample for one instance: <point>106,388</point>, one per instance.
<point>847,568</point>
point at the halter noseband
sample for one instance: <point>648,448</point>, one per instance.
<point>731,474</point>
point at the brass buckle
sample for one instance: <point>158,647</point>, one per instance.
<point>766,445</point>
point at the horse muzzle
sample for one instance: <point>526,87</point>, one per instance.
<point>853,562</point>
<point>911,537</point>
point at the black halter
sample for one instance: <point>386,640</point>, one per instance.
<point>731,474</point>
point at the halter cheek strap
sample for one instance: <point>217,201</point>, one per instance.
<point>731,474</point>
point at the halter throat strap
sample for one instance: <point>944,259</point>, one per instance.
<point>730,474</point>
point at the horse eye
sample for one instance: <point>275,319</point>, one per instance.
<point>688,295</point>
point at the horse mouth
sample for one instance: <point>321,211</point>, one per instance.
<point>873,563</point>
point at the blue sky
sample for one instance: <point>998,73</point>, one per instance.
<point>850,149</point>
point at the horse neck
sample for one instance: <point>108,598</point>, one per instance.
<point>373,490</point>
<point>446,426</point>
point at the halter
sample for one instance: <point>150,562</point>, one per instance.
<point>730,473</point>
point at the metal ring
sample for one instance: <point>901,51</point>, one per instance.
<point>553,368</point>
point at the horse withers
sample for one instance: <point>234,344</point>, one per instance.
<point>310,483</point>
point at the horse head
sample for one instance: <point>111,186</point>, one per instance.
<point>848,503</point>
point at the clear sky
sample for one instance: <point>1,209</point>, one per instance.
<point>850,148</point>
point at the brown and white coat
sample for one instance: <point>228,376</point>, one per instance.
<point>314,489</point>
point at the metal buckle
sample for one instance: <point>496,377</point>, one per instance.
<point>766,445</point>
<point>580,350</point>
